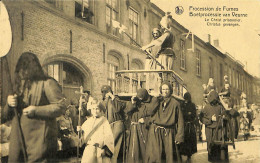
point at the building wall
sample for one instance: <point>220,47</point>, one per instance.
<point>47,29</point>
<point>47,34</point>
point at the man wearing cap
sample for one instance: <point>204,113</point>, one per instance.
<point>114,111</point>
<point>141,107</point>
<point>165,43</point>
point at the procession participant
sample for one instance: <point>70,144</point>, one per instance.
<point>246,109</point>
<point>234,118</point>
<point>150,63</point>
<point>211,85</point>
<point>165,43</point>
<point>166,130</point>
<point>66,131</point>
<point>225,92</point>
<point>114,113</point>
<point>210,117</point>
<point>189,146</point>
<point>142,106</point>
<point>244,125</point>
<point>39,102</point>
<point>208,88</point>
<point>73,106</point>
<point>98,137</point>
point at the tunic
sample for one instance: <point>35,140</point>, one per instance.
<point>114,114</point>
<point>166,53</point>
<point>167,126</point>
<point>98,136</point>
<point>234,122</point>
<point>39,131</point>
<point>215,152</point>
<point>138,132</point>
<point>189,146</point>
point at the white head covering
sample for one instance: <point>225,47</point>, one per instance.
<point>165,21</point>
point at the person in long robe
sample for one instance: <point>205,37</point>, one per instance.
<point>234,119</point>
<point>166,129</point>
<point>210,117</point>
<point>98,137</point>
<point>142,106</point>
<point>39,101</point>
<point>114,112</point>
<point>189,146</point>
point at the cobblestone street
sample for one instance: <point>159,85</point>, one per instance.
<point>246,151</point>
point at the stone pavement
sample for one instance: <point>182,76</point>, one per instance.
<point>246,151</point>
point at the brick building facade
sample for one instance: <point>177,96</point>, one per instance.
<point>87,51</point>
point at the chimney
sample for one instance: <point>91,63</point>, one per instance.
<point>209,38</point>
<point>216,43</point>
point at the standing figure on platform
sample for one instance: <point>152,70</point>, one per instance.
<point>98,137</point>
<point>39,101</point>
<point>167,129</point>
<point>114,112</point>
<point>150,63</point>
<point>210,116</point>
<point>141,107</point>
<point>165,43</point>
<point>189,146</point>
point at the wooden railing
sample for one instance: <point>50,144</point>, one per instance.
<point>129,81</point>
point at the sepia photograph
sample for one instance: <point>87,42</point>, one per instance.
<point>130,81</point>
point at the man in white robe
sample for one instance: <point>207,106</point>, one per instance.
<point>98,136</point>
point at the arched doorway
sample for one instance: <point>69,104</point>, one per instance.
<point>70,73</point>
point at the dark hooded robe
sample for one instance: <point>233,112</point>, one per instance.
<point>138,131</point>
<point>189,146</point>
<point>216,152</point>
<point>115,116</point>
<point>167,126</point>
